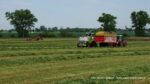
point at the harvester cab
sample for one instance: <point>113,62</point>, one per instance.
<point>121,41</point>
<point>86,40</point>
<point>119,38</point>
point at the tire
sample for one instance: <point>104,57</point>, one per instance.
<point>120,44</point>
<point>87,44</point>
<point>78,45</point>
<point>124,43</point>
<point>93,44</point>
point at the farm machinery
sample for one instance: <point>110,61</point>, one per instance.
<point>102,39</point>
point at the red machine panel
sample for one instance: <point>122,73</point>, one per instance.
<point>99,39</point>
<point>105,39</point>
<point>110,39</point>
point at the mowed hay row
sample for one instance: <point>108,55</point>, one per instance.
<point>73,69</point>
<point>22,44</point>
<point>22,57</point>
<point>60,61</point>
<point>138,38</point>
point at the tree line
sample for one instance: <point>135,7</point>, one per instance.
<point>23,21</point>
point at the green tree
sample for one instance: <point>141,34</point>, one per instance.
<point>108,22</point>
<point>140,20</point>
<point>43,28</point>
<point>22,20</point>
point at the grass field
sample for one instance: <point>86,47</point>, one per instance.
<point>59,61</point>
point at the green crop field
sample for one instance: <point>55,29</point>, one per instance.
<point>59,61</point>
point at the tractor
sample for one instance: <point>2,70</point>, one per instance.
<point>102,39</point>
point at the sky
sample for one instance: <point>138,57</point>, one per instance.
<point>73,13</point>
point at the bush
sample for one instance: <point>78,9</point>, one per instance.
<point>67,34</point>
<point>12,35</point>
<point>47,34</point>
<point>125,34</point>
<point>1,35</point>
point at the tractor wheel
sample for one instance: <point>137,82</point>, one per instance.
<point>87,44</point>
<point>78,45</point>
<point>115,45</point>
<point>110,45</point>
<point>93,44</point>
<point>120,44</point>
<point>124,43</point>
